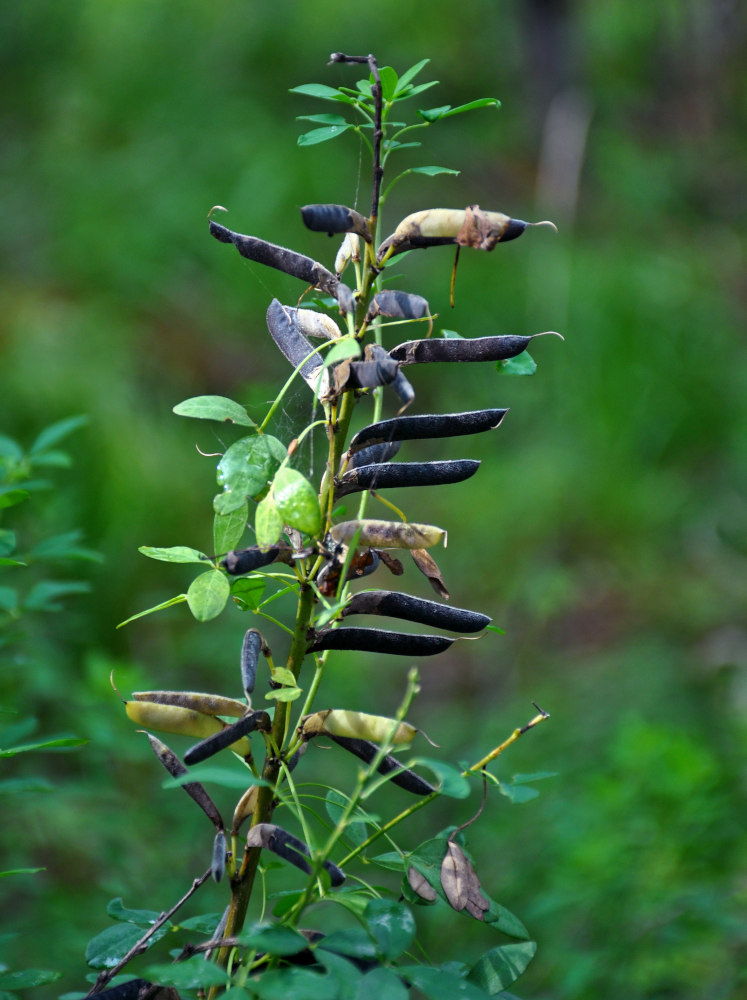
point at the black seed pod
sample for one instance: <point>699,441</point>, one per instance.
<point>427,426</point>
<point>375,640</point>
<point>378,369</point>
<point>193,788</point>
<point>133,989</point>
<point>219,741</point>
<point>415,609</point>
<point>218,864</point>
<point>285,845</point>
<point>288,261</point>
<point>397,474</point>
<point>399,305</point>
<point>332,219</point>
<point>376,453</point>
<point>366,751</point>
<point>250,650</point>
<point>417,352</point>
<point>404,390</point>
<point>241,561</point>
<point>287,335</point>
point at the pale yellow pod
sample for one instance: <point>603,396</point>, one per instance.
<point>362,726</point>
<point>207,704</point>
<point>349,250</point>
<point>184,721</point>
<point>431,223</point>
<point>316,324</point>
<point>388,534</point>
<point>244,807</point>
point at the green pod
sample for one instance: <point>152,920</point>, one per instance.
<point>197,701</point>
<point>399,474</point>
<point>415,609</point>
<point>376,640</point>
<point>426,426</point>
<point>359,725</point>
<point>402,777</point>
<point>285,845</point>
<point>388,534</point>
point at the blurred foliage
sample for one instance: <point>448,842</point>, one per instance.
<point>616,517</point>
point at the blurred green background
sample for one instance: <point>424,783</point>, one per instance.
<point>606,531</point>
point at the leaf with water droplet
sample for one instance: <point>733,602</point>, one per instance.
<point>249,464</point>
<point>207,595</point>
<point>296,501</point>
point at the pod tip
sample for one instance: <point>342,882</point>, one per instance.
<point>545,222</point>
<point>216,208</point>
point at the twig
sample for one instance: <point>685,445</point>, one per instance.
<point>141,945</point>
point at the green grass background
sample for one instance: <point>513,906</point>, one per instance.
<point>606,531</point>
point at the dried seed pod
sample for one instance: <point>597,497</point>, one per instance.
<point>391,562</point>
<point>176,719</point>
<point>241,561</point>
<point>460,883</point>
<point>288,261</point>
<point>287,335</point>
<point>218,864</point>
<point>378,369</point>
<point>404,391</point>
<point>375,454</point>
<point>365,750</point>
<point>399,474</point>
<point>333,219</point>
<point>388,534</point>
<point>363,563</point>
<point>428,567</point>
<point>398,305</point>
<point>426,426</point>
<point>193,788</point>
<point>285,845</point>
<point>251,647</point>
<point>376,640</point>
<point>244,808</point>
<point>349,250</point>
<point>207,704</point>
<point>138,989</point>
<point>425,351</point>
<point>316,324</point>
<point>228,737</point>
<point>414,609</point>
<point>359,725</point>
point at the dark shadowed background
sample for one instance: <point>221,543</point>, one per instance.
<point>606,531</point>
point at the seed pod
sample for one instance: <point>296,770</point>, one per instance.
<point>404,391</point>
<point>426,426</point>
<point>241,561</point>
<point>207,704</point>
<point>388,534</point>
<point>349,250</point>
<point>399,305</point>
<point>391,562</point>
<point>398,474</point>
<point>401,776</point>
<point>218,864</point>
<point>375,454</point>
<point>288,261</point>
<point>286,846</point>
<point>193,788</point>
<point>378,369</point>
<point>250,650</point>
<point>287,335</point>
<point>291,764</point>
<point>333,219</point>
<point>376,640</point>
<point>358,725</point>
<point>135,989</point>
<point>316,324</point>
<point>416,352</point>
<point>244,808</point>
<point>364,563</point>
<point>414,609</point>
<point>176,719</point>
<point>428,567</point>
<point>228,737</point>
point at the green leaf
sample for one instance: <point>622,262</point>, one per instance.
<point>53,460</point>
<point>227,503</point>
<point>228,529</point>
<point>21,871</point>
<point>389,80</point>
<point>433,171</point>
<point>446,111</point>
<point>268,524</point>
<point>293,981</point>
<point>27,979</point>
<point>64,546</point>
<point>441,984</point>
<point>56,432</point>
<point>355,830</point>
<point>296,501</point>
<point>175,554</point>
<point>412,72</point>
<point>500,919</point>
<point>284,694</point>
<point>249,464</point>
<point>522,364</point>
<point>433,114</point>
<point>414,91</point>
<point>11,498</point>
<point>521,779</point>
<point>214,408</point>
<point>223,776</point>
<point>248,591</point>
<point>321,91</point>
<point>112,944</point>
<point>5,561</point>
<point>204,923</point>
<point>207,595</point>
<point>21,786</point>
<point>189,975</point>
<point>392,861</point>
<point>317,135</point>
<point>452,782</point>
<point>323,119</point>
<point>143,918</point>
<point>500,967</point>
<point>275,939</point>
<point>10,448</point>
<point>44,595</point>
<point>345,348</point>
<point>518,793</point>
<point>59,743</point>
<point>352,941</point>
<point>179,599</point>
<point>383,984</point>
<point>7,541</point>
<point>8,598</point>
<point>392,926</point>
